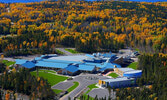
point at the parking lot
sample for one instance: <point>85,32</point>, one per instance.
<point>102,93</point>
<point>63,85</point>
<point>84,80</point>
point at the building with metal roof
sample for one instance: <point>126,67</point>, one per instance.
<point>99,65</point>
<point>109,55</point>
<point>43,56</point>
<point>133,74</point>
<point>117,82</point>
<point>37,58</point>
<point>20,61</point>
<point>72,68</point>
<point>100,58</point>
<point>96,62</point>
<point>60,61</point>
<point>51,64</point>
<point>28,64</point>
<point>109,66</point>
<point>121,71</point>
<point>89,56</point>
<point>128,72</point>
<point>87,68</point>
<point>126,69</point>
<point>69,70</point>
<point>78,58</point>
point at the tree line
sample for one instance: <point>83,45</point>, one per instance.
<point>88,26</point>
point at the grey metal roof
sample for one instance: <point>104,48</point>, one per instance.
<point>134,71</point>
<point>117,79</point>
<point>126,69</point>
<point>59,61</point>
<point>77,58</point>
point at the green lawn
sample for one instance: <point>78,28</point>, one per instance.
<point>92,86</point>
<point>51,71</point>
<point>137,49</point>
<point>114,75</point>
<point>59,52</point>
<point>57,91</point>
<point>52,78</point>
<point>73,87</point>
<point>8,63</point>
<point>71,51</point>
<point>133,65</point>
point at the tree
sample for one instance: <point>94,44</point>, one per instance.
<point>109,90</point>
<point>1,94</point>
<point>2,56</point>
<point>2,67</point>
<point>7,96</point>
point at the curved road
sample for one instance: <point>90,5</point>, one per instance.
<point>83,83</point>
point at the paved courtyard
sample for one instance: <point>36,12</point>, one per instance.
<point>63,85</point>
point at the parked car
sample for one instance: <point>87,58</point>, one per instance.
<point>70,78</point>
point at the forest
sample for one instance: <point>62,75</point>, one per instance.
<point>23,82</point>
<point>152,84</point>
<point>30,28</point>
<point>2,67</point>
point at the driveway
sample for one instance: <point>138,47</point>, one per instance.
<point>63,50</point>
<point>84,81</point>
<point>69,53</point>
<point>126,52</point>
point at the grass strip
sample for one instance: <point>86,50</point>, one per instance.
<point>73,87</point>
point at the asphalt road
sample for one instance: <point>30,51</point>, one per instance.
<point>83,83</point>
<point>126,52</point>
<point>29,57</point>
